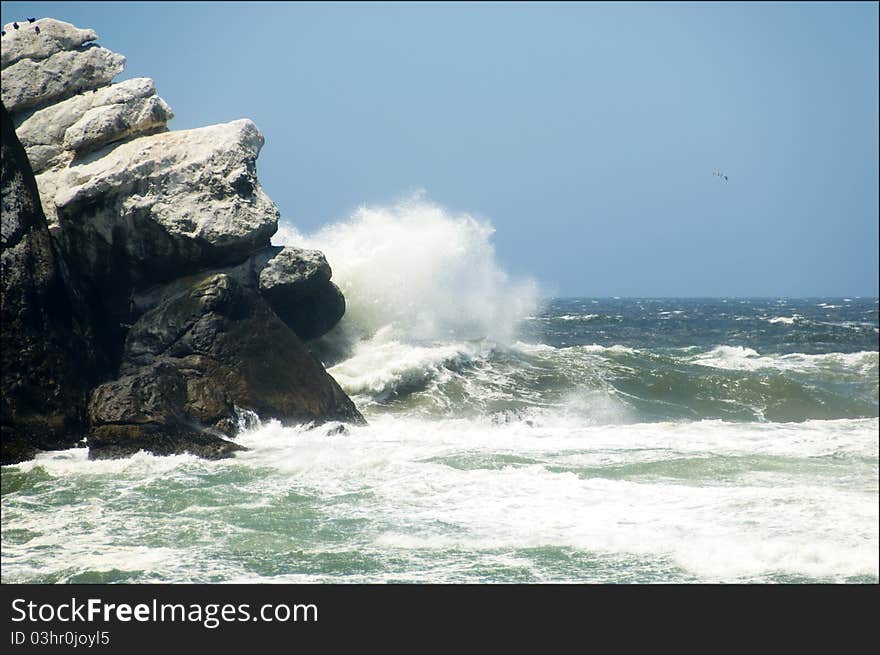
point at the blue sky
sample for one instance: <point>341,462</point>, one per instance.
<point>587,133</point>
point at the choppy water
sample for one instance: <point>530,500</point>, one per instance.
<point>596,440</point>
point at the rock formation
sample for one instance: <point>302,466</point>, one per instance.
<point>53,64</point>
<point>48,360</point>
<point>186,317</point>
<point>296,283</point>
<point>87,121</point>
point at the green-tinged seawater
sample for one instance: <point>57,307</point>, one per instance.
<point>609,440</point>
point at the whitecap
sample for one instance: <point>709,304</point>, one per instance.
<point>748,359</point>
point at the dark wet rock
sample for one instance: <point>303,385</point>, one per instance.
<point>127,439</point>
<point>198,360</point>
<point>339,428</point>
<point>48,359</point>
<point>294,281</point>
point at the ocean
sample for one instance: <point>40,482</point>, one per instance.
<point>510,439</point>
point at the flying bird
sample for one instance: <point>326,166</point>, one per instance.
<point>31,20</point>
<point>718,173</point>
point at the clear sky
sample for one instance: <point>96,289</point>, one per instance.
<point>587,133</point>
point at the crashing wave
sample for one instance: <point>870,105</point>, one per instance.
<point>430,273</point>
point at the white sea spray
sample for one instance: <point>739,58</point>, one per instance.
<point>427,272</point>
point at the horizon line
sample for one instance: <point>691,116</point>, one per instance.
<point>624,297</point>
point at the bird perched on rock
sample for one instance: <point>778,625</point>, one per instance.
<point>15,26</point>
<point>37,29</point>
<point>31,20</point>
<point>2,32</point>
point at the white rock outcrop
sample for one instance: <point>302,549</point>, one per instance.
<point>114,183</point>
<point>198,185</point>
<point>56,134</point>
<point>53,36</point>
<point>139,209</point>
<point>39,72</point>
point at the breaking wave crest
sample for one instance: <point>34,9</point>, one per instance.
<point>606,384</point>
<point>419,272</point>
